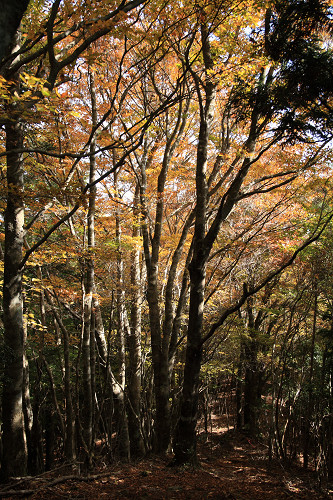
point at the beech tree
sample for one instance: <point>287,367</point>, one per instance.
<point>260,112</point>
<point>59,59</point>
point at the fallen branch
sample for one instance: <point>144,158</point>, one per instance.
<point>25,493</point>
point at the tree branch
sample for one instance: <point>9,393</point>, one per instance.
<point>252,291</point>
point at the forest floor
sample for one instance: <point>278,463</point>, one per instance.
<point>231,468</point>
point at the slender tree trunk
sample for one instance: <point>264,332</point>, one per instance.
<point>251,389</point>
<point>134,347</point>
<point>69,445</point>
<point>252,375</point>
<point>93,377</point>
<point>239,390</point>
<point>160,336</point>
<point>27,406</point>
<point>14,462</point>
<point>70,448</point>
<point>50,436</point>
<point>123,436</point>
<point>161,378</point>
<point>117,391</point>
<point>36,452</point>
<point>57,411</point>
<point>185,433</point>
<point>310,394</point>
<point>88,288</point>
<point>87,416</point>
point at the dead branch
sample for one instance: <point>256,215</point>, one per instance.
<point>74,477</point>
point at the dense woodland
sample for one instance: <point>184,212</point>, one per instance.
<point>166,237</point>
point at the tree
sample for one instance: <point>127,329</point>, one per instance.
<point>261,112</point>
<point>14,462</point>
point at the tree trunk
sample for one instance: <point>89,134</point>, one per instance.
<point>70,448</point>
<point>87,416</point>
<point>10,18</point>
<point>161,337</point>
<point>185,434</point>
<point>36,452</point>
<point>252,375</point>
<point>310,405</point>
<point>239,390</point>
<point>122,325</point>
<point>27,406</point>
<point>162,421</point>
<point>88,288</point>
<point>117,391</point>
<point>134,349</point>
<point>69,445</point>
<point>251,389</point>
<point>14,461</point>
<point>50,436</point>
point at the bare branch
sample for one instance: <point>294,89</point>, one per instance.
<point>249,292</point>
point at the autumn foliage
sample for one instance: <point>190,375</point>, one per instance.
<point>166,239</point>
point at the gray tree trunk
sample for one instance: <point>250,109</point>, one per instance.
<point>14,462</point>
<point>69,445</point>
<point>134,347</point>
<point>185,433</point>
<point>88,288</point>
<point>122,323</point>
<point>161,335</point>
<point>116,389</point>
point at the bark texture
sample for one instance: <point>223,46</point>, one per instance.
<point>14,461</point>
<point>134,347</point>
